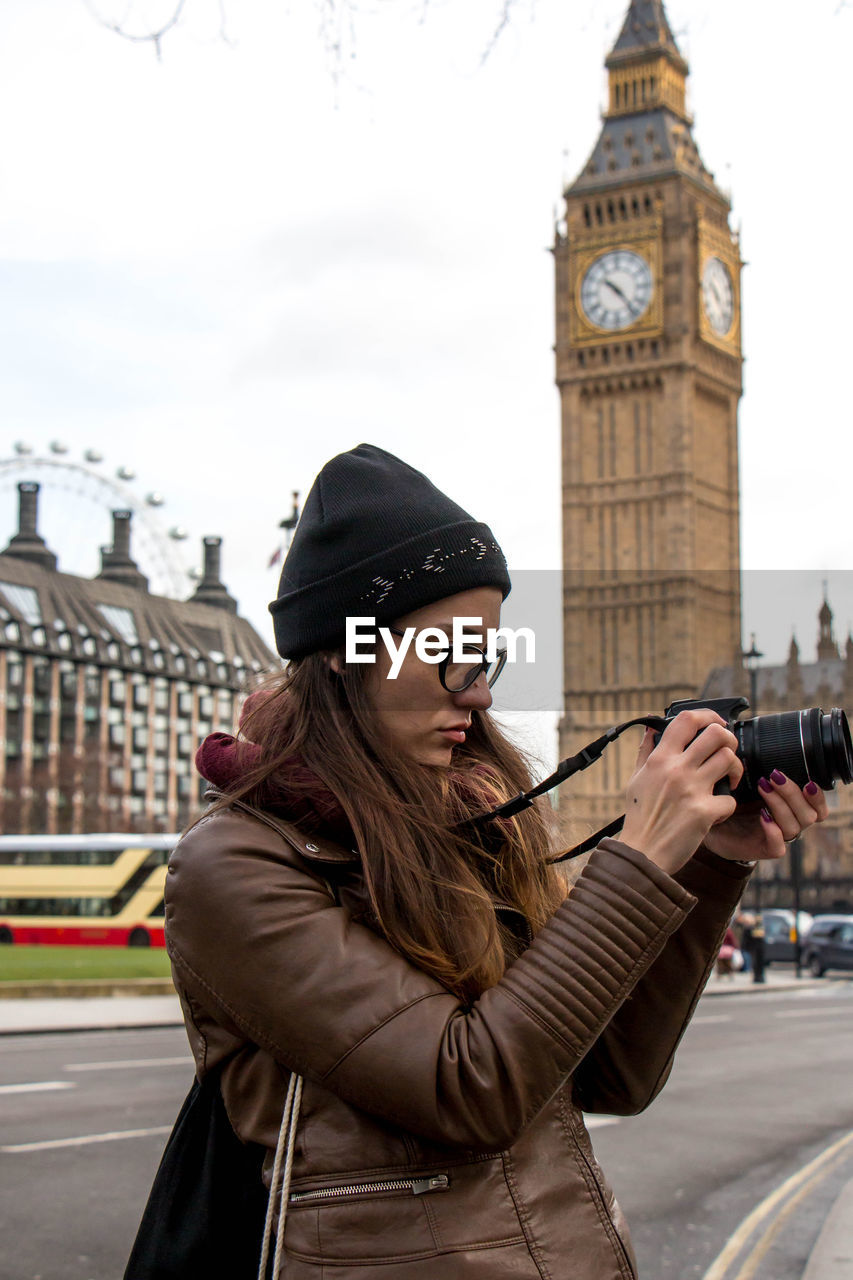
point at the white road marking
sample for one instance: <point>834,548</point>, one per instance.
<point>38,1086</point>
<point>598,1122</point>
<point>88,1138</point>
<point>830,1010</point>
<point>124,1063</point>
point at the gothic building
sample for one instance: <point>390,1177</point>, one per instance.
<point>825,681</point>
<point>648,366</point>
<point>106,689</point>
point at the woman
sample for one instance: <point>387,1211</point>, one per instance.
<point>448,1010</point>
<point>729,956</point>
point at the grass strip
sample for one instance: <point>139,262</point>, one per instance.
<point>38,964</point>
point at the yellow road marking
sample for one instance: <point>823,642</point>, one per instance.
<point>765,1242</point>
<point>721,1264</point>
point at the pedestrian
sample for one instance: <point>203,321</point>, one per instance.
<point>745,922</point>
<point>398,1016</point>
<point>754,938</point>
<point>729,957</point>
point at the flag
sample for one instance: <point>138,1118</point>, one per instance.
<point>274,558</point>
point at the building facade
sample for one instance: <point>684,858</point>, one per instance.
<point>106,689</point>
<point>648,366</point>
<point>825,852</point>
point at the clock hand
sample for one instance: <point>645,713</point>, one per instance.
<point>617,291</point>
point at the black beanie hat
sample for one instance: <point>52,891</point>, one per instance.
<point>376,539</point>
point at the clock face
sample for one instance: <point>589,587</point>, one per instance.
<point>616,289</point>
<point>718,296</point>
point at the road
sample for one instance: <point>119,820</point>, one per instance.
<point>70,1212</point>
<point>763,1085</point>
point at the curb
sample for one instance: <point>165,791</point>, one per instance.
<point>764,988</point>
<point>80,988</point>
<point>832,1255</point>
<point>86,987</point>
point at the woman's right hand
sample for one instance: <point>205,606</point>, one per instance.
<point>670,801</point>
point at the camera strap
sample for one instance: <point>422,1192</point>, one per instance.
<point>566,769</point>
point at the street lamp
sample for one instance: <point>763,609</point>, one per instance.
<point>752,657</point>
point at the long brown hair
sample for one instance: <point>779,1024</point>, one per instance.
<point>431,884</point>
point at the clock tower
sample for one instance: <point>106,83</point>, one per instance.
<point>648,364</point>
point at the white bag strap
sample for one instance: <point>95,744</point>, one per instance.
<point>284,1150</point>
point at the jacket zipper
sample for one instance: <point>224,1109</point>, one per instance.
<point>417,1186</point>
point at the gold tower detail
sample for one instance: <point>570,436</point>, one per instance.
<point>648,364</point>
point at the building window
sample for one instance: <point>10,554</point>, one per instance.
<point>121,620</point>
<point>24,600</point>
<point>41,678</point>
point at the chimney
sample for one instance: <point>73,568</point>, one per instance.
<point>116,562</point>
<point>27,544</point>
<point>211,589</point>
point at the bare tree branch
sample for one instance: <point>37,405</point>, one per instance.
<point>502,24</point>
<point>337,25</point>
<point>148,37</point>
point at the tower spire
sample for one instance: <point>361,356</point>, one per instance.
<point>646,26</point>
<point>826,646</point>
<point>645,67</point>
<point>647,127</point>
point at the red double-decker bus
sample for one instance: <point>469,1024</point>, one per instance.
<point>94,890</point>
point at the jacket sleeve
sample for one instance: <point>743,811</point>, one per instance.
<point>630,1061</point>
<point>260,943</point>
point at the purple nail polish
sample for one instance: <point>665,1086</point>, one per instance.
<point>778,777</point>
<point>764,785</point>
<point>811,788</point>
<point>766,815</point>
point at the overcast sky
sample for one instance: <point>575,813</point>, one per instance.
<point>225,266</point>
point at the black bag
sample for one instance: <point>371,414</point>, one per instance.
<point>205,1214</point>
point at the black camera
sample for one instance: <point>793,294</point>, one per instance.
<point>811,745</point>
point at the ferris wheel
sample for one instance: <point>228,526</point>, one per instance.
<point>75,504</point>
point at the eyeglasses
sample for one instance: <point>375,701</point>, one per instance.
<point>456,676</point>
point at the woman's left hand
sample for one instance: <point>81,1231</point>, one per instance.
<point>752,834</point>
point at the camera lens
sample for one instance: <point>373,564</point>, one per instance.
<point>811,745</point>
<point>826,740</point>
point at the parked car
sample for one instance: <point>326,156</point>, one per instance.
<point>829,944</point>
<point>778,933</point>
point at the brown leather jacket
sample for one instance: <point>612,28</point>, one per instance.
<point>436,1142</point>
